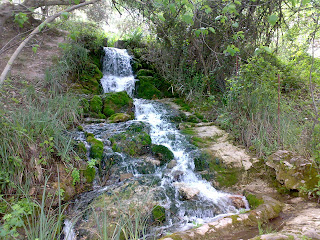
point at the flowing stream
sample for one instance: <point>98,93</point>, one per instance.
<point>207,204</point>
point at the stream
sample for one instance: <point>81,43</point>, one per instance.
<point>206,203</point>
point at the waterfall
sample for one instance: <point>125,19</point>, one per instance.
<point>206,203</point>
<point>117,71</point>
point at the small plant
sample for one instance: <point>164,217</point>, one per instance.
<point>75,176</point>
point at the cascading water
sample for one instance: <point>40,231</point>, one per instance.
<point>207,203</point>
<point>117,72</point>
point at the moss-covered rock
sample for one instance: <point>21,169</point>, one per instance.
<point>90,79</point>
<point>96,150</point>
<point>294,172</point>
<point>159,214</point>
<point>162,152</point>
<point>147,90</point>
<point>81,150</point>
<point>254,201</point>
<point>89,174</point>
<point>132,144</point>
<point>119,102</point>
<point>119,117</point>
<point>133,140</point>
<point>85,105</point>
<point>145,72</point>
<point>96,104</point>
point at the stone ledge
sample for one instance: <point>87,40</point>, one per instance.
<point>216,230</point>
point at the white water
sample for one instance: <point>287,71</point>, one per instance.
<point>117,72</point>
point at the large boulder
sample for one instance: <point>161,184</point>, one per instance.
<point>293,171</point>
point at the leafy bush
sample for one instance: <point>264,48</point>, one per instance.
<point>251,107</point>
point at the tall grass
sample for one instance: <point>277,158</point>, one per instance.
<point>251,109</point>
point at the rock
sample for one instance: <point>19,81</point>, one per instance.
<point>238,201</point>
<point>162,153</point>
<point>312,234</point>
<point>230,155</point>
<point>172,164</point>
<point>296,200</point>
<point>274,236</point>
<point>293,171</point>
<point>122,44</point>
<point>125,176</point>
<point>119,117</point>
<point>187,193</point>
<point>119,102</point>
<point>152,160</point>
<point>177,175</point>
<point>219,228</point>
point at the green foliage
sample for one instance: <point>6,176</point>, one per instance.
<point>90,171</point>
<point>15,218</point>
<point>75,176</point>
<point>251,106</point>
<point>20,18</point>
<point>159,214</point>
<point>162,152</point>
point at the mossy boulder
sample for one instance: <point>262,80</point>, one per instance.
<point>159,214</point>
<point>253,200</point>
<point>120,117</point>
<point>293,171</point>
<point>119,102</point>
<point>162,153</point>
<point>89,174</point>
<point>85,105</point>
<point>134,145</point>
<point>145,72</point>
<point>96,104</point>
<point>81,150</point>
<point>90,79</point>
<point>133,140</point>
<point>96,150</point>
<point>151,87</point>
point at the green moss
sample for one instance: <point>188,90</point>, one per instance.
<point>159,214</point>
<point>119,117</point>
<point>199,115</point>
<point>85,105</point>
<point>90,79</point>
<point>145,72</point>
<point>253,201</point>
<point>80,128</point>
<point>96,104</point>
<point>201,162</point>
<point>226,177</point>
<point>96,150</point>
<point>234,219</point>
<point>81,150</point>
<point>101,116</point>
<point>131,142</point>
<point>183,104</point>
<point>90,174</point>
<point>119,102</point>
<point>163,153</point>
<point>192,119</point>
<point>148,91</point>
